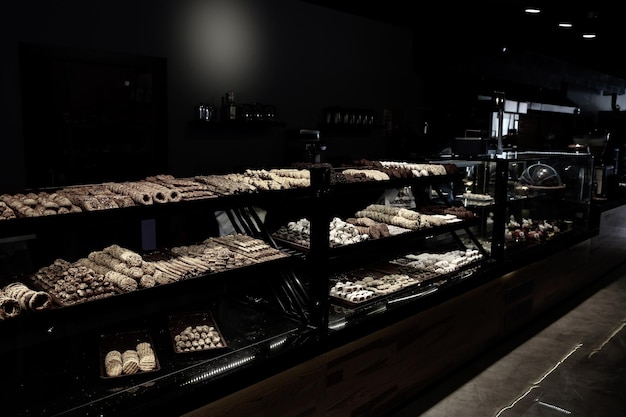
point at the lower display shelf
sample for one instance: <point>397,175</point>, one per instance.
<point>64,377</point>
<point>344,314</point>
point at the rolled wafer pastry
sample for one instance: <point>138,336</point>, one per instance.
<point>160,277</point>
<point>100,269</point>
<point>167,274</point>
<point>158,195</point>
<point>147,281</point>
<point>20,292</point>
<point>135,272</point>
<point>159,192</point>
<point>148,268</point>
<point>40,300</point>
<point>15,290</point>
<point>126,188</point>
<point>130,257</point>
<point>123,282</point>
<point>9,307</point>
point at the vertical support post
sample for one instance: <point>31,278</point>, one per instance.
<point>499,218</point>
<point>498,98</point>
<point>319,245</point>
<point>148,234</point>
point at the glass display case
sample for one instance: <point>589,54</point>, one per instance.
<point>529,201</point>
<point>380,248</point>
<point>196,279</point>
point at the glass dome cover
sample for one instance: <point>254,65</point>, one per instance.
<point>541,175</point>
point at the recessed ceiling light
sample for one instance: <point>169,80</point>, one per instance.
<point>566,25</point>
<point>589,35</point>
<point>532,10</point>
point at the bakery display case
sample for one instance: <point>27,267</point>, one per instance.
<point>385,245</point>
<point>91,274</point>
<point>238,277</point>
<point>529,202</point>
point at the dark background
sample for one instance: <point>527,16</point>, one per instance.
<point>106,91</point>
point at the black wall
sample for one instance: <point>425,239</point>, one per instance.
<point>298,56</point>
<point>294,55</point>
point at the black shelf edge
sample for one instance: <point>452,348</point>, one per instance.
<point>385,245</point>
<point>235,124</point>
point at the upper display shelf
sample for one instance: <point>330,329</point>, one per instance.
<point>567,175</point>
<point>162,190</point>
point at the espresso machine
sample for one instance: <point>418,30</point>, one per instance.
<point>306,146</point>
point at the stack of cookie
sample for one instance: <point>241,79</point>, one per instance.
<point>131,361</point>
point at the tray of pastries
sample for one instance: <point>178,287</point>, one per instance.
<point>361,286</point>
<point>127,353</point>
<point>195,332</point>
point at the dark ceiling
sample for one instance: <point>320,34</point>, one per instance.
<point>495,24</point>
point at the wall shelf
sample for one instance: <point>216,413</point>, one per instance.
<point>236,124</point>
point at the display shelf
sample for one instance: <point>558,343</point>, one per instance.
<point>72,331</point>
<point>62,321</point>
<point>391,243</point>
<point>347,316</point>
<point>272,315</point>
<point>349,130</point>
<point>17,226</point>
<point>235,125</point>
<point>519,197</point>
<point>346,199</point>
<point>253,347</point>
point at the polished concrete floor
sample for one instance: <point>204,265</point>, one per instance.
<point>570,363</point>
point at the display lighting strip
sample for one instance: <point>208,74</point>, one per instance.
<point>412,296</point>
<point>278,343</point>
<point>218,370</point>
<point>537,383</point>
<point>337,325</point>
<point>380,309</point>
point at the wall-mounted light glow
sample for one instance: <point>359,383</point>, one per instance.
<point>589,35</point>
<point>222,41</point>
<point>532,10</point>
<point>565,25</point>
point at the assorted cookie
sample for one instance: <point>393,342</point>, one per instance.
<point>127,354</point>
<point>195,332</point>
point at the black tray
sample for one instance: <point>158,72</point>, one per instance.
<point>178,323</point>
